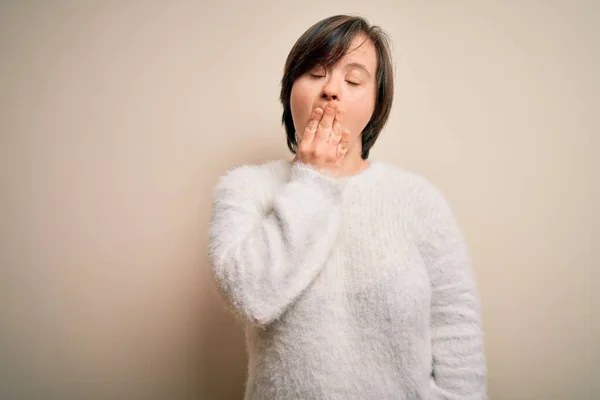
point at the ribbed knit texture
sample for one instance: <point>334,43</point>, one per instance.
<point>349,288</point>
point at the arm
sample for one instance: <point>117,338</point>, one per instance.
<point>262,260</point>
<point>459,368</point>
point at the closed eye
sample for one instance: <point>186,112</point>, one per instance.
<point>323,76</point>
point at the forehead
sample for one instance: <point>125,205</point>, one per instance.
<point>361,51</point>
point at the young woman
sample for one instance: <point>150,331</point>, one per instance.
<point>351,275</point>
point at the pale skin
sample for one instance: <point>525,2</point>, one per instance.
<point>330,108</point>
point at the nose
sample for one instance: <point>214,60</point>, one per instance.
<point>325,95</point>
<point>330,90</point>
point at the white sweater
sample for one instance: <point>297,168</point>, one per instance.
<point>350,288</point>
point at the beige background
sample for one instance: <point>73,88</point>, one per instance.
<point>116,119</point>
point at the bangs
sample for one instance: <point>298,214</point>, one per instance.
<point>324,45</point>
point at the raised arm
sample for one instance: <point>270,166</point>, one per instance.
<point>262,259</point>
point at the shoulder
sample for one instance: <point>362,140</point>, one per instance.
<point>421,200</point>
<point>415,185</point>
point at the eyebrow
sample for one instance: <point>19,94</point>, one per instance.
<point>357,65</point>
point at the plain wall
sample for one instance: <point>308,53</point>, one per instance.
<point>117,118</point>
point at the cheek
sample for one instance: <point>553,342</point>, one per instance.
<point>300,103</point>
<point>360,113</point>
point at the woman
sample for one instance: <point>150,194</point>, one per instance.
<point>351,275</point>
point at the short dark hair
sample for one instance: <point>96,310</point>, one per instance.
<point>325,43</point>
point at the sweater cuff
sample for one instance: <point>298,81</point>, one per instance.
<point>306,173</point>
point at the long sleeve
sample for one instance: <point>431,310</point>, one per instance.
<point>459,366</point>
<point>263,257</point>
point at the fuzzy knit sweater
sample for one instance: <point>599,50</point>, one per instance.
<point>350,288</point>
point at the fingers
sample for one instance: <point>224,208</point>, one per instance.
<point>313,124</point>
<point>342,147</point>
<point>324,128</point>
<point>324,136</point>
<point>336,132</point>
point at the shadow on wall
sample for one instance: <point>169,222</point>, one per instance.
<point>222,353</point>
